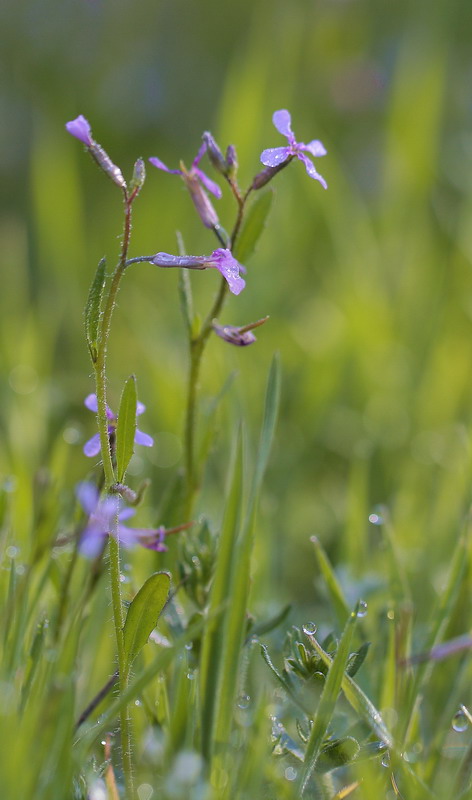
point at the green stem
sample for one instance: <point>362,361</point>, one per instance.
<point>197,347</point>
<point>110,480</point>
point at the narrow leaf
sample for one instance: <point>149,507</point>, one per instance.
<point>185,289</point>
<point>92,309</point>
<point>143,614</point>
<point>126,427</point>
<point>253,226</point>
<point>338,601</point>
<point>327,702</point>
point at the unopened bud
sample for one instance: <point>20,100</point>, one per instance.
<point>139,176</point>
<point>231,160</point>
<point>214,153</point>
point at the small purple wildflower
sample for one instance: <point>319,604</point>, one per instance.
<point>92,447</point>
<point>276,156</point>
<point>193,172</point>
<point>221,259</point>
<point>195,179</point>
<point>80,128</point>
<point>240,336</point>
<point>105,517</point>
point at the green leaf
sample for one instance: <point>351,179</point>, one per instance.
<point>92,309</point>
<point>143,614</point>
<point>253,226</point>
<point>340,606</point>
<point>126,427</point>
<point>327,703</point>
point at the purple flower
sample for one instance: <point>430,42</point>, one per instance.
<point>240,336</point>
<point>276,156</point>
<point>105,517</point>
<point>221,259</point>
<point>195,179</point>
<point>92,447</point>
<point>80,128</point>
<point>193,172</point>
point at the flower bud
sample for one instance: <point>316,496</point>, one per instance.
<point>267,174</point>
<point>214,153</point>
<point>231,161</point>
<point>139,176</point>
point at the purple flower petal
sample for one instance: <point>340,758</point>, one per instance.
<point>127,536</point>
<point>234,335</point>
<point>201,152</point>
<point>274,156</point>
<point>92,541</point>
<point>316,148</point>
<point>210,185</point>
<point>143,438</point>
<point>87,495</point>
<point>80,128</point>
<point>92,404</point>
<point>92,447</point>
<point>310,168</point>
<point>283,122</point>
<point>229,268</point>
<point>140,409</point>
<point>156,162</point>
<point>126,513</point>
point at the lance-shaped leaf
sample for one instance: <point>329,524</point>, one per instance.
<point>143,614</point>
<point>126,427</point>
<point>93,307</point>
<point>253,226</point>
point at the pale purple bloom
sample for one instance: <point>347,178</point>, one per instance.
<point>221,259</point>
<point>80,128</point>
<point>277,156</point>
<point>195,179</point>
<point>92,447</point>
<point>105,517</point>
<point>194,171</point>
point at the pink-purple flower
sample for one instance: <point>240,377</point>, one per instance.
<point>196,182</point>
<point>80,128</point>
<point>105,518</point>
<point>276,156</point>
<point>92,447</point>
<point>221,259</point>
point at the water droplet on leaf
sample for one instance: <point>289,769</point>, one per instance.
<point>460,722</point>
<point>309,628</point>
<point>362,608</point>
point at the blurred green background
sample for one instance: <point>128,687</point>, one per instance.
<point>368,285</point>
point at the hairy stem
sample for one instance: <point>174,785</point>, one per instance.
<point>110,480</point>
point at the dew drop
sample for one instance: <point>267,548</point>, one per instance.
<point>12,551</point>
<point>362,608</point>
<point>460,722</point>
<point>376,518</point>
<point>189,646</point>
<point>191,676</point>
<point>138,703</point>
<point>243,701</point>
<point>290,773</point>
<point>103,742</point>
<point>309,628</point>
<point>386,760</point>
